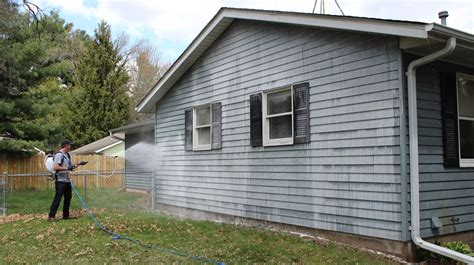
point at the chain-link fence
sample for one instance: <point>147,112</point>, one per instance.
<point>24,194</point>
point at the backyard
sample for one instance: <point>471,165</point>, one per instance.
<point>26,236</point>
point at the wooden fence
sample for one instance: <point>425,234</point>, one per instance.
<point>110,172</point>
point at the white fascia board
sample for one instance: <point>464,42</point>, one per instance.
<point>107,147</point>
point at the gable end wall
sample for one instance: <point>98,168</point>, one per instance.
<point>346,179</point>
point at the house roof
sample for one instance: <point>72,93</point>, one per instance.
<point>97,146</point>
<point>146,125</point>
<point>225,16</point>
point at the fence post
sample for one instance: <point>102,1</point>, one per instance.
<point>153,189</point>
<point>97,169</point>
<point>85,190</point>
<point>4,187</point>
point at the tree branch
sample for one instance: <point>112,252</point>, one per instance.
<point>36,12</point>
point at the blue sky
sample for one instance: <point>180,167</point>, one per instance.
<point>172,24</point>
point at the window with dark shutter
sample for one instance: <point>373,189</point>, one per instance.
<point>188,129</point>
<point>216,125</point>
<point>203,126</point>
<point>280,116</point>
<point>256,120</point>
<point>450,120</point>
<point>301,113</point>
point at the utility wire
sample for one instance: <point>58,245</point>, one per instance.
<point>314,7</point>
<point>340,9</point>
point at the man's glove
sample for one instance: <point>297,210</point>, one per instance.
<point>71,167</point>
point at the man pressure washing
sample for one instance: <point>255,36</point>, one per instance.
<point>62,166</point>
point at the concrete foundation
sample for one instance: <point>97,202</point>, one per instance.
<point>404,250</point>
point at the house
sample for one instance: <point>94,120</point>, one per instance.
<point>301,121</point>
<point>107,146</point>
<point>139,139</point>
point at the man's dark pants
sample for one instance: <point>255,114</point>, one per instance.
<point>62,189</point>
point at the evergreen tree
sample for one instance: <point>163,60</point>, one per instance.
<point>34,75</point>
<point>102,102</point>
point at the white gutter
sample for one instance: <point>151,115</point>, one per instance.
<point>414,170</point>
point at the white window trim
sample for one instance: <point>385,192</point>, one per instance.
<point>197,147</point>
<point>266,122</point>
<point>463,162</point>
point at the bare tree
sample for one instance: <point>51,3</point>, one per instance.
<point>146,68</point>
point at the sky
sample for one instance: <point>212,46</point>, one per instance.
<point>171,25</point>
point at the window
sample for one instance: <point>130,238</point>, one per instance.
<point>202,127</point>
<point>278,116</point>
<point>465,93</point>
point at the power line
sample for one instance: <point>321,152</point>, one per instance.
<point>314,7</point>
<point>339,7</point>
<point>322,7</point>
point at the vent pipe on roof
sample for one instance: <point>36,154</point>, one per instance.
<point>443,15</point>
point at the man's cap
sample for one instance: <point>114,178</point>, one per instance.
<point>65,142</point>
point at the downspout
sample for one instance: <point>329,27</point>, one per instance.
<point>414,169</point>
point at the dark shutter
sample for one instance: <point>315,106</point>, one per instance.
<point>301,113</point>
<point>188,129</point>
<point>256,119</point>
<point>216,125</point>
<point>450,119</point>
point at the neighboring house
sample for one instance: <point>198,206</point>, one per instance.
<point>138,137</point>
<point>107,146</point>
<point>301,121</point>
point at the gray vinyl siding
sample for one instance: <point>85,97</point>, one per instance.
<point>444,192</point>
<point>137,173</point>
<point>346,179</point>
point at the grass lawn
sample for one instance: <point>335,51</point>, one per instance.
<point>31,239</point>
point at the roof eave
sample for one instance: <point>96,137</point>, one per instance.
<point>191,52</point>
<point>440,31</point>
<point>145,124</point>
<point>107,147</point>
